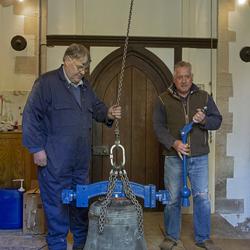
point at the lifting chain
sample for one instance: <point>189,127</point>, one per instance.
<point>119,92</point>
<point>130,194</point>
<point>118,169</point>
<point>107,199</point>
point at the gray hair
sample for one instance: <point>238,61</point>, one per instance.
<point>77,51</point>
<point>182,64</point>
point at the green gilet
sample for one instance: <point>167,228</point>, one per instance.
<point>177,117</point>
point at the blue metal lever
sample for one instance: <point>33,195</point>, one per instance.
<point>185,192</point>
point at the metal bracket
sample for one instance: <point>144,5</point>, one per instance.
<point>102,150</point>
<point>84,193</point>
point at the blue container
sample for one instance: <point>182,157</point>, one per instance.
<point>11,209</point>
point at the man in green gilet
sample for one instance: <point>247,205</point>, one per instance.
<point>182,103</point>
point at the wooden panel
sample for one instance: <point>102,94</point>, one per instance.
<point>125,122</point>
<point>4,163</point>
<point>15,161</point>
<point>153,164</point>
<point>138,126</point>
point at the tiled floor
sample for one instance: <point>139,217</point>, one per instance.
<point>223,234</point>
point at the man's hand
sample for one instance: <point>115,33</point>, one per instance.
<point>115,112</point>
<point>40,158</point>
<point>181,148</point>
<point>199,117</point>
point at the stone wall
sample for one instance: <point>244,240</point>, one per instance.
<point>224,90</point>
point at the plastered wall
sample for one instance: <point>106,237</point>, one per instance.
<point>18,68</point>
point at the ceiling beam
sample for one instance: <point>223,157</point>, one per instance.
<point>114,41</point>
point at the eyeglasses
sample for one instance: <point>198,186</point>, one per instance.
<point>80,66</point>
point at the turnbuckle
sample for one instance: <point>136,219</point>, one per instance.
<point>113,164</point>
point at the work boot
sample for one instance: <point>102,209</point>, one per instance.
<point>208,245</point>
<point>169,244</point>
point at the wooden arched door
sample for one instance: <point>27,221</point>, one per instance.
<point>145,77</point>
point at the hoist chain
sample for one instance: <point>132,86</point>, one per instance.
<point>107,200</point>
<point>130,195</point>
<point>118,170</point>
<point>117,131</point>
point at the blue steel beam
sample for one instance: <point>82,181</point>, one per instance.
<point>84,193</point>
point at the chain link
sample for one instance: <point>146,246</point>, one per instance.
<point>107,200</point>
<point>130,194</point>
<point>117,131</point>
<point>119,170</point>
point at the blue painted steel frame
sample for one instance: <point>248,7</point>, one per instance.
<point>84,193</point>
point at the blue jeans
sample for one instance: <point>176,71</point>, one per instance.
<point>197,170</point>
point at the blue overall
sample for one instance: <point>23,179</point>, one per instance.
<point>53,120</point>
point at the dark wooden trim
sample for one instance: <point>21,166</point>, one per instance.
<point>177,54</point>
<point>114,41</point>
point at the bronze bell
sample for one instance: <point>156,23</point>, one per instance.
<point>120,228</point>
